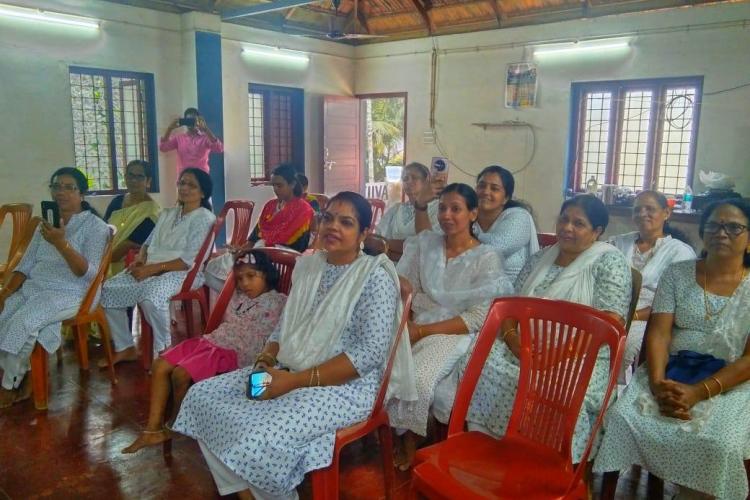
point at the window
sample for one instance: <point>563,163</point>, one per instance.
<point>639,134</point>
<point>113,123</point>
<point>275,128</point>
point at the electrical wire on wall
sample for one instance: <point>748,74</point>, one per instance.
<point>434,73</point>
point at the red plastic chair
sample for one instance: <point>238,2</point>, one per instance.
<point>20,214</point>
<point>87,313</point>
<point>325,482</point>
<point>283,261</point>
<point>546,239</point>
<point>378,208</point>
<point>186,294</point>
<point>559,344</point>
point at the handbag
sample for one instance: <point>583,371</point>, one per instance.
<point>690,367</point>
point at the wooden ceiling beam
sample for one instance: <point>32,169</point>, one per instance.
<point>425,15</point>
<point>498,14</point>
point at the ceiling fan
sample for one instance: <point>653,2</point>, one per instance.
<point>336,35</point>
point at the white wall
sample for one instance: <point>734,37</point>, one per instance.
<point>471,89</point>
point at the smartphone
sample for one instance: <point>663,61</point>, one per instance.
<point>187,122</point>
<point>257,384</point>
<point>51,213</point>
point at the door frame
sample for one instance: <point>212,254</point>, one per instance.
<point>405,95</point>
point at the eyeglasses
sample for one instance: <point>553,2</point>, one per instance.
<point>135,177</point>
<point>58,188</point>
<point>187,184</point>
<point>731,228</point>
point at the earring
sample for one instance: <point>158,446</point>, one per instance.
<point>361,245</point>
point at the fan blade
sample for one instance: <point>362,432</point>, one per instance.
<point>360,36</point>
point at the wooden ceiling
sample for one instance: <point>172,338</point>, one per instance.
<point>401,19</point>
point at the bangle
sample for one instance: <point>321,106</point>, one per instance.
<point>635,316</point>
<point>317,376</point>
<point>707,389</point>
<point>721,387</point>
<point>508,332</point>
<point>264,356</point>
<point>312,374</point>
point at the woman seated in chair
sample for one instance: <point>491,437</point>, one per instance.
<point>49,283</point>
<point>577,269</point>
<point>134,214</point>
<point>161,266</point>
<point>503,222</point>
<point>649,250</point>
<point>284,221</point>
<point>334,338</point>
<point>400,221</point>
<point>251,316</point>
<point>684,416</point>
<point>455,277</point>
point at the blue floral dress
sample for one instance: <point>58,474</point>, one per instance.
<point>708,458</point>
<point>272,444</point>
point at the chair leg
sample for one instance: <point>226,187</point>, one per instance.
<point>609,484</point>
<point>80,335</point>
<point>147,343</point>
<point>654,487</point>
<point>39,380</point>
<point>101,320</point>
<point>386,452</point>
<point>187,310</point>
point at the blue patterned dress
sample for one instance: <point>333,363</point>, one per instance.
<point>272,444</point>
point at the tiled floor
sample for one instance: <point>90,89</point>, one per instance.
<point>72,451</point>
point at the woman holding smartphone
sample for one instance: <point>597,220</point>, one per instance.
<point>49,283</point>
<point>333,338</point>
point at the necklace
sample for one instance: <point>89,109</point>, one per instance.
<point>709,312</point>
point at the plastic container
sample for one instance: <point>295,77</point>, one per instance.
<point>687,200</point>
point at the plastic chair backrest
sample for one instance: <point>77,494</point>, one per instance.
<point>242,210</point>
<point>23,243</point>
<point>406,296</point>
<point>378,208</point>
<point>546,239</point>
<point>284,260</point>
<point>635,293</point>
<point>202,254</point>
<point>87,305</point>
<point>559,345</point>
<point>322,199</point>
<point>20,214</point>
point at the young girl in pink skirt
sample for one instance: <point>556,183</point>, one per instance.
<point>250,318</point>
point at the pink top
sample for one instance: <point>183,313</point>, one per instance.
<point>247,324</point>
<point>192,150</point>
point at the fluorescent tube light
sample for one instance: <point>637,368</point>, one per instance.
<point>580,48</point>
<point>48,17</point>
<point>268,52</point>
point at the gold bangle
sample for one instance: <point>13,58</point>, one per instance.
<point>264,356</point>
<point>508,332</point>
<point>317,376</point>
<point>312,374</point>
<point>721,387</point>
<point>635,316</point>
<point>707,389</point>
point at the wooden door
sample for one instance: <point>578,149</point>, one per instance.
<point>342,162</point>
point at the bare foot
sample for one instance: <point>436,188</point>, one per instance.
<point>24,391</point>
<point>148,438</point>
<point>408,451</point>
<point>128,354</point>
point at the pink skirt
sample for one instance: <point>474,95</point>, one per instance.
<point>201,359</point>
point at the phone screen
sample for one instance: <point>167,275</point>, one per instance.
<point>259,381</point>
<point>51,213</point>
<point>187,122</point>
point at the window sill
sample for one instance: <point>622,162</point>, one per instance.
<point>677,216</point>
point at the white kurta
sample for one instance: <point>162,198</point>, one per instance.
<point>514,233</point>
<point>464,287</point>
<point>397,222</point>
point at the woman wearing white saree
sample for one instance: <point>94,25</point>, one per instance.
<point>650,250</point>
<point>399,221</point>
<point>334,336</point>
<point>693,427</point>
<point>577,269</point>
<point>455,278</point>
<point>503,222</point>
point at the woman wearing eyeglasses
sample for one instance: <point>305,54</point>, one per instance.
<point>134,214</point>
<point>650,250</point>
<point>161,266</point>
<point>49,283</point>
<point>685,414</point>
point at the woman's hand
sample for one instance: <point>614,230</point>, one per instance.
<point>141,272</point>
<point>514,343</point>
<point>55,236</point>
<point>415,335</point>
<point>676,399</point>
<point>282,382</point>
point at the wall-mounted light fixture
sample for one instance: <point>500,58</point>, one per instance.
<point>581,48</point>
<point>27,14</point>
<point>277,53</point>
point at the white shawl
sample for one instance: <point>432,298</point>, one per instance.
<point>575,283</point>
<point>309,336</point>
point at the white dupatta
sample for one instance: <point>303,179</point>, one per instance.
<point>575,283</point>
<point>309,336</point>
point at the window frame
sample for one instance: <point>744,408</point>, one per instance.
<point>297,108</point>
<point>618,88</point>
<point>150,122</point>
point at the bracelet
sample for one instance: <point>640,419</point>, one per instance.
<point>420,333</point>
<point>312,374</point>
<point>264,356</point>
<point>721,387</point>
<point>635,316</point>
<point>707,389</point>
<point>317,376</point>
<point>508,332</point>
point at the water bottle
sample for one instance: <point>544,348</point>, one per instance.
<point>687,200</point>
